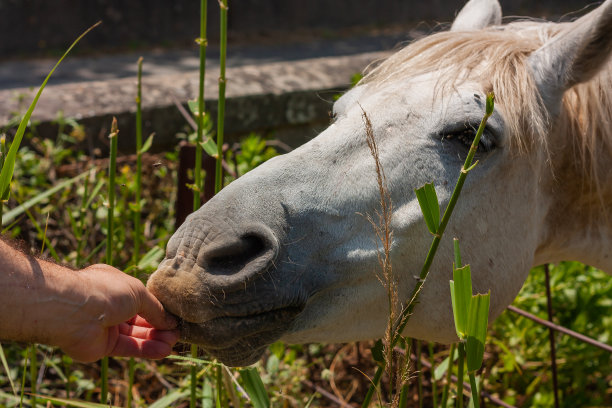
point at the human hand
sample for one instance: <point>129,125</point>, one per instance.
<point>120,317</point>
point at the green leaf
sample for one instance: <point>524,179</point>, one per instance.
<point>6,368</point>
<point>428,200</point>
<point>461,297</point>
<point>194,106</point>
<point>9,163</point>
<point>170,398</point>
<point>378,352</point>
<point>193,360</point>
<point>73,402</point>
<point>17,211</point>
<point>147,144</point>
<point>207,395</point>
<point>255,388</point>
<point>210,147</point>
<point>152,258</point>
<point>457,254</point>
<point>477,330</point>
<point>443,367</point>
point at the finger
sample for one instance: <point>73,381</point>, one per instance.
<point>127,346</point>
<point>146,333</point>
<point>154,313</point>
<point>140,321</point>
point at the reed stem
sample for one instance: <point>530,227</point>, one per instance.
<point>138,193</point>
<point>202,41</point>
<point>475,390</point>
<point>417,346</point>
<point>460,366</point>
<point>33,374</point>
<point>112,170</point>
<point>198,181</point>
<point>434,385</point>
<point>221,105</point>
<point>2,158</point>
<point>449,373</point>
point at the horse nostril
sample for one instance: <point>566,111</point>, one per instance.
<point>230,258</point>
<point>235,255</point>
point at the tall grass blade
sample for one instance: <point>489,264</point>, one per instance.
<point>460,375</point>
<point>223,5</point>
<point>170,398</point>
<point>9,163</point>
<point>112,169</point>
<point>20,209</point>
<point>7,370</point>
<point>33,374</point>
<point>461,297</point>
<point>207,395</point>
<point>428,200</point>
<point>202,42</point>
<point>3,153</point>
<point>255,388</point>
<point>434,383</point>
<point>457,252</point>
<point>449,372</point>
<point>74,403</point>
<point>477,331</point>
<point>136,208</point>
<point>139,148</point>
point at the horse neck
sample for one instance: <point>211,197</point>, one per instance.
<point>578,224</point>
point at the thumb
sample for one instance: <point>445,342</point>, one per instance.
<point>153,312</point>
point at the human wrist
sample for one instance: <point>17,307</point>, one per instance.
<point>38,297</point>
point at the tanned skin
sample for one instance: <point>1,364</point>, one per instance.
<point>91,313</point>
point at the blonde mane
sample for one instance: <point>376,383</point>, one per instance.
<point>497,56</point>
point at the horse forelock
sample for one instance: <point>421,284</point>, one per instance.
<point>497,58</point>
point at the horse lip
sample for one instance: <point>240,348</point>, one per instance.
<point>239,334</point>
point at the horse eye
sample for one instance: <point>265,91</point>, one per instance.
<point>466,136</point>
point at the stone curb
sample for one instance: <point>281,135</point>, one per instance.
<point>291,99</point>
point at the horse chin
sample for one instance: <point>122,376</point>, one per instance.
<point>239,340</point>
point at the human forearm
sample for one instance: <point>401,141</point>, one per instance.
<point>37,298</point>
<point>89,313</point>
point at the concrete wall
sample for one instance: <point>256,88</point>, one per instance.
<point>48,26</point>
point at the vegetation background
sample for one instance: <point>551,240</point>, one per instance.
<point>58,206</point>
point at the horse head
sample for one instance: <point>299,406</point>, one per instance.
<point>287,251</point>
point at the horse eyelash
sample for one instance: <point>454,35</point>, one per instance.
<point>466,136</point>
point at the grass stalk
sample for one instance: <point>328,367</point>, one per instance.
<point>138,193</point>
<point>32,350</point>
<point>2,158</point>
<point>467,166</point>
<point>221,104</point>
<point>6,174</point>
<point>23,377</point>
<point>460,366</point>
<point>202,41</point>
<point>434,385</point>
<point>112,169</point>
<point>449,373</point>
<point>417,346</point>
<point>474,387</point>
<point>137,211</point>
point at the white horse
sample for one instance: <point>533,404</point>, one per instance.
<point>285,252</point>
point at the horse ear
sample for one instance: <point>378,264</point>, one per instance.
<point>477,14</point>
<point>574,55</point>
